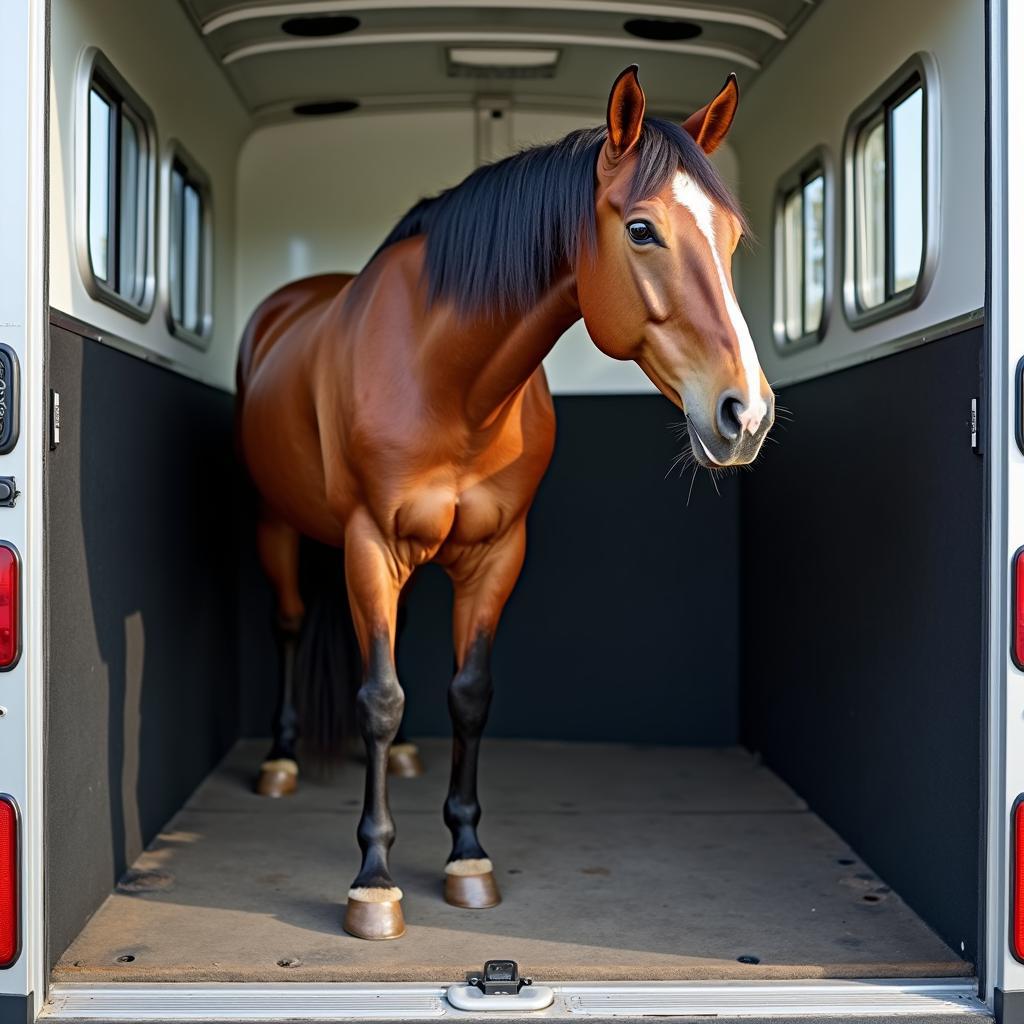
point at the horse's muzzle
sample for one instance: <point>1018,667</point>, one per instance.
<point>735,445</point>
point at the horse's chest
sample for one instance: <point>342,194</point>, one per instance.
<point>462,490</point>
<point>437,515</point>
<point>480,516</point>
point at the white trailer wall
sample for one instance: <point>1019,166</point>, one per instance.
<point>803,100</point>
<point>158,51</point>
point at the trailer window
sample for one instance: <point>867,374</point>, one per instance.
<point>871,236</point>
<point>189,246</point>
<point>118,193</point>
<point>99,183</point>
<point>907,126</point>
<point>887,197</point>
<point>801,285</point>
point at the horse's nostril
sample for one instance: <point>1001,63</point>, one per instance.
<point>730,408</point>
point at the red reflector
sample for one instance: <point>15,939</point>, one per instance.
<point>10,606</point>
<point>8,882</point>
<point>1017,894</point>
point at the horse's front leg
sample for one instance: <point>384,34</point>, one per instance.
<point>483,578</point>
<point>375,578</point>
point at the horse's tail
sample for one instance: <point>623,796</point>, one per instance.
<point>327,663</point>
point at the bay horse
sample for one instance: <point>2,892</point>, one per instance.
<point>403,414</point>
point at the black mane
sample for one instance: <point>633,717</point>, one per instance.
<point>497,239</point>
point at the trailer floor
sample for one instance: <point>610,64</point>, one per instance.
<point>733,865</point>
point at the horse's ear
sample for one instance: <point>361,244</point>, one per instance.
<point>709,125</point>
<point>626,105</point>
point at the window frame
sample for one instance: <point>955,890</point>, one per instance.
<point>919,71</point>
<point>95,71</point>
<point>818,162</point>
<point>177,156</point>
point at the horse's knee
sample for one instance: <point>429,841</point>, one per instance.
<point>380,703</point>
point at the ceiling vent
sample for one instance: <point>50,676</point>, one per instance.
<point>507,62</point>
<point>315,26</point>
<point>324,107</point>
<point>664,30</point>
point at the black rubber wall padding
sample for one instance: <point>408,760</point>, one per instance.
<point>863,589</point>
<point>142,691</point>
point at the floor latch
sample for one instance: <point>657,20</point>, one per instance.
<point>499,986</point>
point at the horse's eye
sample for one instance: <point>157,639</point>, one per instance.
<point>641,232</point>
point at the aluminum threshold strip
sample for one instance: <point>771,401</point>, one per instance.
<point>330,1002</point>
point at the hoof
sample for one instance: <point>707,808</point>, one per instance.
<point>278,778</point>
<point>404,761</point>
<point>471,884</point>
<point>374,914</point>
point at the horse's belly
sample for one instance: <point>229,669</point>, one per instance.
<point>284,462</point>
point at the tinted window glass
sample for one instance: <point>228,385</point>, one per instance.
<point>813,253</point>
<point>187,252</point>
<point>99,184</point>
<point>792,220</point>
<point>131,279</point>
<point>800,290</point>
<point>907,190</point>
<point>871,240</point>
<point>191,257</point>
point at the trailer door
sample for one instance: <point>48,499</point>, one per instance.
<point>23,109</point>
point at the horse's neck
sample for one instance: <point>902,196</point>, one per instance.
<point>487,362</point>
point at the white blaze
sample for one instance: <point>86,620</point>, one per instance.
<point>693,197</point>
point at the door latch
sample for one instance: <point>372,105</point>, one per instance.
<point>499,978</point>
<point>499,986</point>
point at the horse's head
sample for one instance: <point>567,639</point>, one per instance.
<point>657,285</point>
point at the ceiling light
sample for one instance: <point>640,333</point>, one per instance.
<point>507,62</point>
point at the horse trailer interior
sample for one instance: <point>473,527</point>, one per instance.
<point>752,746</point>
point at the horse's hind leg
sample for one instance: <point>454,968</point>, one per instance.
<point>483,578</point>
<point>278,547</point>
<point>375,578</point>
<point>404,757</point>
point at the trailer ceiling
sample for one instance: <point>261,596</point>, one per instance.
<point>397,56</point>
